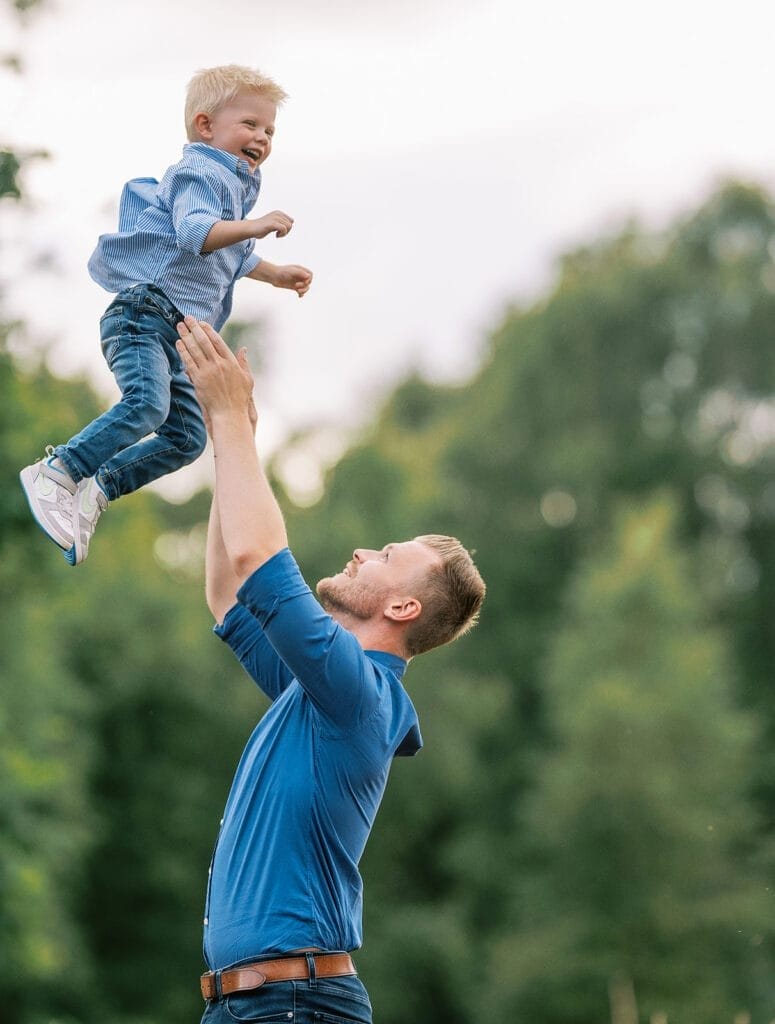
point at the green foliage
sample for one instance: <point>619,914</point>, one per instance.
<point>639,823</point>
<point>591,819</point>
<point>10,165</point>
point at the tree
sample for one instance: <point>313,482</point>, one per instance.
<point>641,831</point>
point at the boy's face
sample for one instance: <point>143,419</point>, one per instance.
<point>244,126</point>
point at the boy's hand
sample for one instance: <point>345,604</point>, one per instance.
<point>297,278</point>
<point>292,276</point>
<point>277,221</point>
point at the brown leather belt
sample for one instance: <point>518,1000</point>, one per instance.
<point>289,968</point>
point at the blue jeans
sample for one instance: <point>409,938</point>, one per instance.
<point>157,398</point>
<point>341,1000</point>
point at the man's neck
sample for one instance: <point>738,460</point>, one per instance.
<point>372,636</point>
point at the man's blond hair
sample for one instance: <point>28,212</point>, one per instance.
<point>451,594</point>
<point>212,88</point>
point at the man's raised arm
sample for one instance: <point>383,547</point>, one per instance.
<point>251,523</point>
<point>221,582</point>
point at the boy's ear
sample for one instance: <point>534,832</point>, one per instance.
<point>403,609</point>
<point>203,125</point>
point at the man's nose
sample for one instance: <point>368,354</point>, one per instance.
<point>363,554</point>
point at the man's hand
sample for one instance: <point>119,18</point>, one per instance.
<point>276,221</point>
<point>223,382</point>
<point>292,276</point>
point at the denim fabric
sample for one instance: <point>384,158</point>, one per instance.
<point>157,398</point>
<point>342,1000</point>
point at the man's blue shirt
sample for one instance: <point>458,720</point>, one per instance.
<point>162,227</point>
<point>306,792</point>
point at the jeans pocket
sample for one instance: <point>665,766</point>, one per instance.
<point>110,351</point>
<point>156,307</point>
<point>110,335</point>
<point>255,1008</point>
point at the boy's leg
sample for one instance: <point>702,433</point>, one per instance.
<point>177,442</point>
<point>158,400</point>
<point>65,491</point>
<point>133,342</point>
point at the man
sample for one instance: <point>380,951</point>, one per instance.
<point>284,894</point>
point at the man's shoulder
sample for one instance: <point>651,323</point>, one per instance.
<point>278,576</point>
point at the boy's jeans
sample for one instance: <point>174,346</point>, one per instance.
<point>331,1000</point>
<point>157,398</point>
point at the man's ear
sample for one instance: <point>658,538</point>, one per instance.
<point>203,126</point>
<point>403,609</point>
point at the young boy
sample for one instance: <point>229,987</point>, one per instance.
<point>181,245</point>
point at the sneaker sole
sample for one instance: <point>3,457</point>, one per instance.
<point>27,483</point>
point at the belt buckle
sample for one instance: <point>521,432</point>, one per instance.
<point>211,980</point>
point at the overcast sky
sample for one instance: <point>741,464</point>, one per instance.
<point>436,159</point>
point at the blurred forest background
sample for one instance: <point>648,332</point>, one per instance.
<point>588,834</point>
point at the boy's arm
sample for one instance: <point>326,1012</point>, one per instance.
<point>229,232</point>
<point>197,203</point>
<point>292,276</point>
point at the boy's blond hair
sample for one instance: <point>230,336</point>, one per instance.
<point>212,88</point>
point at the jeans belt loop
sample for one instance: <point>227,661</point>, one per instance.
<point>313,979</point>
<point>218,985</point>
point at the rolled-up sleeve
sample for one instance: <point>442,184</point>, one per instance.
<point>243,634</point>
<point>250,260</point>
<point>325,658</point>
<point>197,201</point>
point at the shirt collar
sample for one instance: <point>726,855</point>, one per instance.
<point>412,742</point>
<point>391,661</point>
<point>239,167</point>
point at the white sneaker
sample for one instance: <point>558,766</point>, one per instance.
<point>90,502</point>
<point>50,494</point>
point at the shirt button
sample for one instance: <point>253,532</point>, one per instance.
<point>220,822</point>
<point>207,920</point>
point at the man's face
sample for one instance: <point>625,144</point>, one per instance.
<point>371,579</point>
<point>245,127</point>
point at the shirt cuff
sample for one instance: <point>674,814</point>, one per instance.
<point>250,262</point>
<point>192,231</point>
<point>277,580</point>
<point>237,624</point>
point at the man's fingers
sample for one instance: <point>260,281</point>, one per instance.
<point>187,346</point>
<point>216,341</point>
<point>202,342</point>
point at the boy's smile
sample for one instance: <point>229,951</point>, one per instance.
<point>244,127</point>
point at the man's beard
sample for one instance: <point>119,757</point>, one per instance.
<point>346,595</point>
